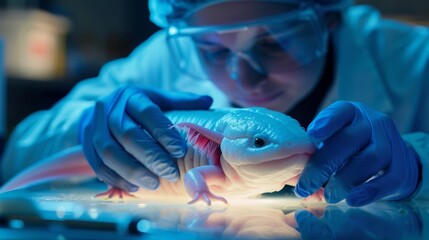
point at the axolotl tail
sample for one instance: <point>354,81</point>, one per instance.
<point>69,163</point>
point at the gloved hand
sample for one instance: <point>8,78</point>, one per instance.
<point>129,142</point>
<point>357,144</point>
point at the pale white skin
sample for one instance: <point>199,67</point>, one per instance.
<point>286,150</point>
<point>279,91</point>
<point>245,168</point>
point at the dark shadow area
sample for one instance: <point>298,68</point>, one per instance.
<point>99,31</point>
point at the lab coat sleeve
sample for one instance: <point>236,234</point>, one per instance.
<point>45,133</point>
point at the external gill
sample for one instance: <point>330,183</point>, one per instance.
<point>203,139</point>
<point>197,180</point>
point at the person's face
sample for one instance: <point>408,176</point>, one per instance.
<point>247,65</point>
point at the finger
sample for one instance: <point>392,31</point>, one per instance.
<point>311,227</point>
<point>331,120</point>
<point>141,109</point>
<point>372,191</point>
<point>103,172</point>
<point>153,156</point>
<point>128,168</point>
<point>332,155</point>
<point>388,185</point>
<point>108,176</point>
<point>141,146</point>
<point>178,100</point>
<point>112,155</point>
<point>385,186</point>
<point>356,171</point>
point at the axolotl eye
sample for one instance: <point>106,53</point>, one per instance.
<point>259,142</point>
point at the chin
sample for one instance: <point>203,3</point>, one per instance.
<point>286,104</point>
<point>278,108</point>
<point>281,105</point>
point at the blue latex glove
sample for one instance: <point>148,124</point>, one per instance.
<point>358,143</point>
<point>129,142</point>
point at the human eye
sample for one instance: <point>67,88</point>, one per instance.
<point>211,48</point>
<point>270,45</point>
<point>211,51</point>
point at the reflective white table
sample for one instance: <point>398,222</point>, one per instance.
<point>70,212</point>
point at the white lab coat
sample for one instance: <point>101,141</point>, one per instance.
<point>381,63</point>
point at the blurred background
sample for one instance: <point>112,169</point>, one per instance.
<point>47,46</point>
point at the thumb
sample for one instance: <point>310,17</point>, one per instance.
<point>178,100</point>
<point>331,120</point>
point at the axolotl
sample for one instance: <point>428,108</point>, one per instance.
<point>231,152</point>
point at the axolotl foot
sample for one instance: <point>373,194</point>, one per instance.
<point>113,193</point>
<point>196,183</point>
<point>206,197</point>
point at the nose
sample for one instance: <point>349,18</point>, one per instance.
<point>245,71</point>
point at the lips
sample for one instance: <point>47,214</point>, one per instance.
<point>261,100</point>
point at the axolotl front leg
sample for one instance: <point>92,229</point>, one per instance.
<point>198,180</point>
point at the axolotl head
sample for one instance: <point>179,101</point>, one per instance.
<point>263,149</point>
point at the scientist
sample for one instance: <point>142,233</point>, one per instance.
<point>357,81</point>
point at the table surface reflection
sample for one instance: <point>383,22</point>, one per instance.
<point>73,213</point>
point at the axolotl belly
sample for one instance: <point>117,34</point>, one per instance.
<point>231,152</point>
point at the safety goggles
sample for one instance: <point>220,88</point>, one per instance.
<point>272,44</point>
